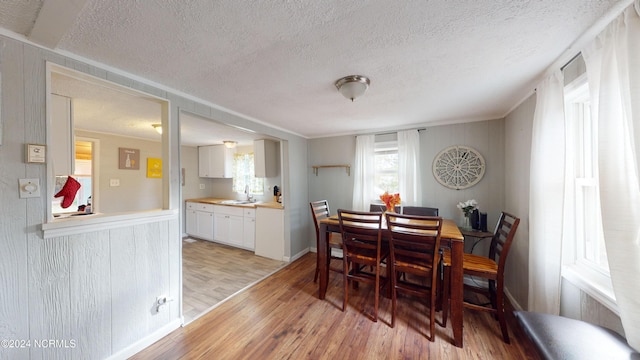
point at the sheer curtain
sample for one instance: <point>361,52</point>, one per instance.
<point>364,172</point>
<point>546,195</point>
<point>409,167</point>
<point>613,70</point>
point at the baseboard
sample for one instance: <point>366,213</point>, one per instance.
<point>296,256</point>
<point>142,344</point>
<point>516,305</point>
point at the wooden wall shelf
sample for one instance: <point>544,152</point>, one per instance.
<point>316,167</point>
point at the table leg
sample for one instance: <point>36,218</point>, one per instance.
<point>457,291</point>
<point>322,261</point>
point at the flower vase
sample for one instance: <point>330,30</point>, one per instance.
<point>466,224</point>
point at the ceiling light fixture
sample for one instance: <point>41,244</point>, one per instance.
<point>230,144</point>
<point>352,86</point>
<point>157,127</point>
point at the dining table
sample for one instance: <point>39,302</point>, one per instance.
<point>450,237</point>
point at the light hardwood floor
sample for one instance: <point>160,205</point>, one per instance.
<point>281,317</point>
<point>212,272</point>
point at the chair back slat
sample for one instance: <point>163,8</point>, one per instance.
<point>502,239</point>
<point>319,211</point>
<point>360,230</point>
<point>415,239</point>
<point>420,210</point>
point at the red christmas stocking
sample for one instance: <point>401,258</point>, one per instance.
<point>69,191</point>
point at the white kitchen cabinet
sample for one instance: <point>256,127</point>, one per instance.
<point>270,233</point>
<point>62,141</point>
<point>265,158</point>
<point>215,161</point>
<point>228,225</point>
<point>200,220</point>
<point>249,229</point>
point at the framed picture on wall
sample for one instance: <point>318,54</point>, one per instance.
<point>154,168</point>
<point>129,159</point>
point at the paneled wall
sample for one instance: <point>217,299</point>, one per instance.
<point>97,285</point>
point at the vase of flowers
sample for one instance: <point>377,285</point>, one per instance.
<point>390,201</point>
<point>467,207</point>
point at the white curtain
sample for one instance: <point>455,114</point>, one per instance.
<point>364,173</point>
<point>409,168</point>
<point>613,70</point>
<point>546,196</point>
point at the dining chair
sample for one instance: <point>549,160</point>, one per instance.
<point>320,210</point>
<point>490,268</point>
<point>420,210</point>
<point>414,253</point>
<point>362,246</point>
<point>381,208</point>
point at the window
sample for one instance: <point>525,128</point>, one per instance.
<point>243,175</point>
<point>586,257</point>
<point>386,167</point>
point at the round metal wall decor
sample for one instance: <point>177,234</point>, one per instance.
<point>458,167</point>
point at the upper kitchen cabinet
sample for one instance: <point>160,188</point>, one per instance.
<point>265,158</point>
<point>62,142</point>
<point>215,161</point>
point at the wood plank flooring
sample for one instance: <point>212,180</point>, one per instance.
<point>281,317</point>
<point>212,272</point>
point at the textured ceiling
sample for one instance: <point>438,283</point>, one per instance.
<point>276,61</point>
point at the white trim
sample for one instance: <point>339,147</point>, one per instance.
<point>595,286</point>
<point>98,222</point>
<point>146,341</point>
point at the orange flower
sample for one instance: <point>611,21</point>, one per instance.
<point>390,201</point>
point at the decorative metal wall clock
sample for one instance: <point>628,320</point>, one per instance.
<point>458,167</point>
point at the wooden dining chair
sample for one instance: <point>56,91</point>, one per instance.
<point>381,208</point>
<point>320,210</point>
<point>414,253</point>
<point>490,268</point>
<point>362,246</point>
<point>420,210</point>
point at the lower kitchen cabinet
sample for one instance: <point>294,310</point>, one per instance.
<point>249,227</point>
<point>230,225</point>
<point>200,220</point>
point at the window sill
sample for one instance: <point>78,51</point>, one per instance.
<point>595,285</point>
<point>95,222</point>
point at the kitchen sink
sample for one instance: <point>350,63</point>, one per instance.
<point>238,202</point>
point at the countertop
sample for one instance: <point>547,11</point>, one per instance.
<point>216,201</point>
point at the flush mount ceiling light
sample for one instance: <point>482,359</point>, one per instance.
<point>352,86</point>
<point>230,144</point>
<point>157,127</point>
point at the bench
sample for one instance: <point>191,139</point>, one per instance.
<point>558,337</point>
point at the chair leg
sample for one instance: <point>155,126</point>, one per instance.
<point>432,314</point>
<point>445,295</point>
<point>394,299</point>
<point>377,295</point>
<point>345,277</point>
<point>500,313</point>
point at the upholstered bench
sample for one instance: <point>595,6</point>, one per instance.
<point>558,337</point>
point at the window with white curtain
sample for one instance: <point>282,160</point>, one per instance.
<point>587,256</point>
<point>244,174</point>
<point>386,167</point>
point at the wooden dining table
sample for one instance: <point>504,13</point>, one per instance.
<point>450,237</point>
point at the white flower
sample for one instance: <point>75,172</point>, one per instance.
<point>468,206</point>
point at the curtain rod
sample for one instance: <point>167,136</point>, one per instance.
<point>391,132</point>
<point>570,61</point>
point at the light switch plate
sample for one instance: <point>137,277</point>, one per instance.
<point>29,188</point>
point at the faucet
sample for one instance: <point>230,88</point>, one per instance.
<point>248,192</point>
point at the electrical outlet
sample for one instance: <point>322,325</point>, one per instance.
<point>114,182</point>
<point>201,186</point>
<point>162,300</point>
